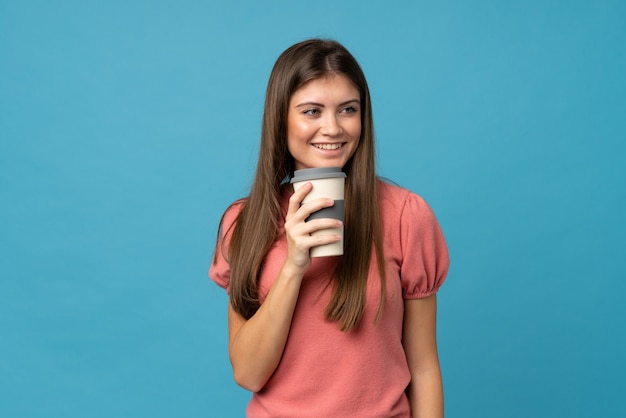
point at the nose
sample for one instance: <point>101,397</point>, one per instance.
<point>331,125</point>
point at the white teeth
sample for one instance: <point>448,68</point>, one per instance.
<point>327,146</point>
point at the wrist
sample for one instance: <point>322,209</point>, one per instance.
<point>292,271</point>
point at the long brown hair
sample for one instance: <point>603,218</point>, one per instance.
<point>251,239</point>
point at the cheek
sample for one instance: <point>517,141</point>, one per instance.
<point>355,130</point>
<point>296,137</point>
<point>297,131</point>
<point>355,133</point>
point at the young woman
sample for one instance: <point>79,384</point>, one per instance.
<point>345,336</point>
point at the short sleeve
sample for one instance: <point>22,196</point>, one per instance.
<point>425,259</point>
<point>219,271</point>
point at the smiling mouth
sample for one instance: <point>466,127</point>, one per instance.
<point>328,146</point>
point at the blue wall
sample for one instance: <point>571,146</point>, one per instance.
<point>126,128</point>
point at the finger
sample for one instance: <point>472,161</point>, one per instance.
<point>305,242</point>
<point>299,233</point>
<point>295,201</point>
<point>319,225</point>
<point>321,239</point>
<point>313,206</point>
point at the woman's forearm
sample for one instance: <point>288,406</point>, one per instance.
<point>426,394</point>
<point>256,345</point>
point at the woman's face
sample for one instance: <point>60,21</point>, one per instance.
<point>324,122</point>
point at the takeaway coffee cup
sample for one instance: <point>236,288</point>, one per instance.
<point>328,182</point>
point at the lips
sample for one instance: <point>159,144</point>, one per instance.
<point>329,146</point>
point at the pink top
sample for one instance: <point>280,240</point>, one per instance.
<point>328,373</point>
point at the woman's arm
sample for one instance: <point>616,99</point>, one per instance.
<point>256,345</point>
<point>420,345</point>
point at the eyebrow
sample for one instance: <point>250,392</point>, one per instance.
<point>357,101</point>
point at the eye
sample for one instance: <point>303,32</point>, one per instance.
<point>311,112</point>
<point>350,109</point>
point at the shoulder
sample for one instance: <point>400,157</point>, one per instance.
<point>219,271</point>
<point>405,212</point>
<point>231,213</point>
<point>414,239</point>
<point>236,206</point>
<point>396,200</point>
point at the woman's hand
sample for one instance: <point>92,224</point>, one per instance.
<point>298,232</point>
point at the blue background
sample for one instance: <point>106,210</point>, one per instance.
<point>127,127</point>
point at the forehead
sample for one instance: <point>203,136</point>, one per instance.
<point>332,86</point>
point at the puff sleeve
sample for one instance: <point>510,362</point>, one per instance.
<point>425,259</point>
<point>219,271</point>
